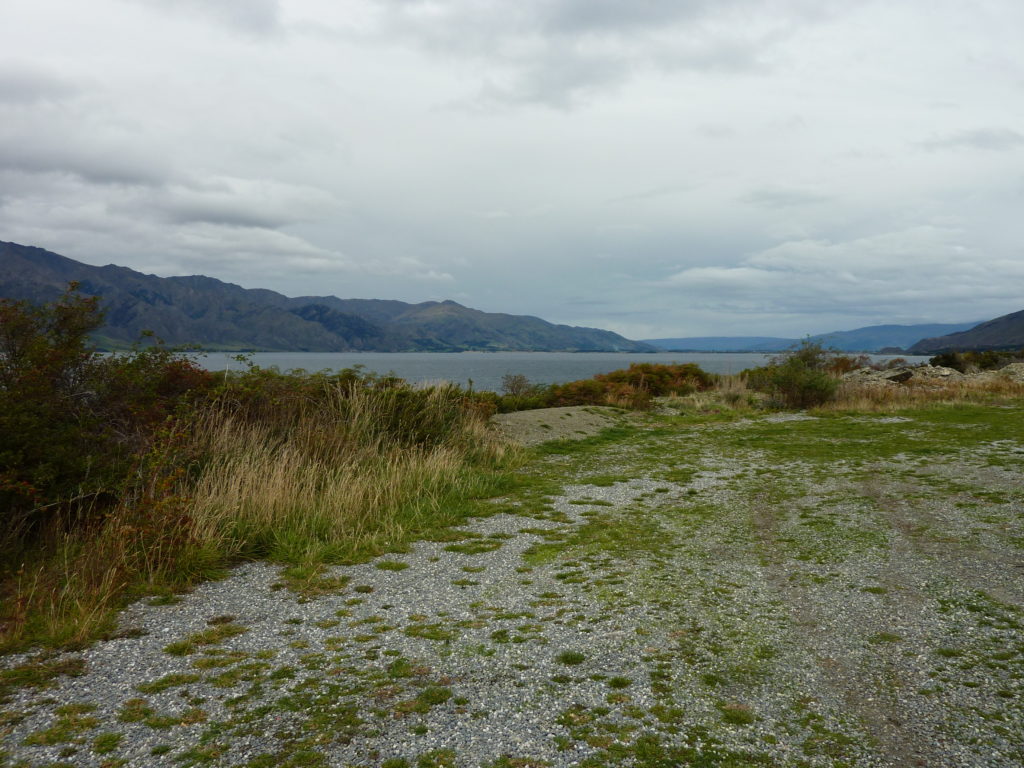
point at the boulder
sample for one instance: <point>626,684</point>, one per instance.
<point>1014,371</point>
<point>938,372</point>
<point>871,376</point>
<point>897,375</point>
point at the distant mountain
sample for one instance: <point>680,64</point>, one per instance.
<point>723,344</point>
<point>1006,332</point>
<point>876,337</point>
<point>217,315</point>
<point>869,339</point>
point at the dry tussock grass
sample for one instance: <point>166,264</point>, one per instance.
<point>324,483</point>
<point>921,393</point>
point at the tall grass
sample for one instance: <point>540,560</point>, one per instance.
<point>734,394</point>
<point>866,396</point>
<point>331,488</point>
<point>346,473</point>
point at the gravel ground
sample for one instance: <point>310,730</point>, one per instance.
<point>569,423</point>
<point>678,602</point>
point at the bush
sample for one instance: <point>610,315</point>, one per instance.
<point>633,387</point>
<point>803,377</point>
<point>73,423</point>
<point>973,360</point>
<point>128,473</point>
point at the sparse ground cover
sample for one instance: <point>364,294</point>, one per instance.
<point>713,589</point>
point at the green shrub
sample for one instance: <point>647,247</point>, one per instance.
<point>986,360</point>
<point>802,377</point>
<point>74,423</point>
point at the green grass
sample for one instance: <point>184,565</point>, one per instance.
<point>391,565</point>
<point>41,673</point>
<point>213,636</point>
<point>571,658</point>
<point>167,681</point>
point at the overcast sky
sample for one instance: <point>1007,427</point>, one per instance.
<point>655,167</point>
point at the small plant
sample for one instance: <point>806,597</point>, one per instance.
<point>736,714</point>
<point>438,758</point>
<point>167,681</point>
<point>884,637</point>
<point>106,743</point>
<point>391,565</point>
<point>571,658</point>
<point>212,636</point>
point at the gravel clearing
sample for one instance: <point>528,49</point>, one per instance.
<point>544,424</point>
<point>688,597</point>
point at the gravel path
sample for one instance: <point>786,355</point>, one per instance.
<point>684,598</point>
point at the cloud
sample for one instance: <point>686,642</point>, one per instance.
<point>27,84</point>
<point>560,52</point>
<point>102,165</point>
<point>238,202</point>
<point>784,197</point>
<point>891,274</point>
<point>82,140</point>
<point>989,139</point>
<point>253,17</point>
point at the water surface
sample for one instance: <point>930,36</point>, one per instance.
<point>486,369</point>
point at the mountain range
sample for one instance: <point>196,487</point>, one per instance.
<point>218,315</point>
<point>204,311</point>
<point>872,338</point>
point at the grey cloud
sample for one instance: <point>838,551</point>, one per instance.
<point>232,202</point>
<point>578,16</point>
<point>865,276</point>
<point>557,79</point>
<point>666,190</point>
<point>991,139</point>
<point>102,166</point>
<point>223,214</point>
<point>24,84</point>
<point>557,52</point>
<point>784,197</point>
<point>256,17</point>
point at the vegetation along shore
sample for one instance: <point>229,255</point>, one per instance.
<point>812,563</point>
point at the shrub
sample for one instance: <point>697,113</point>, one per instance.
<point>659,379</point>
<point>799,378</point>
<point>73,423</point>
<point>973,360</point>
<point>633,387</point>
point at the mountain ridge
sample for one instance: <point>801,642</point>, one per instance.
<point>1000,333</point>
<point>197,309</point>
<point>871,338</point>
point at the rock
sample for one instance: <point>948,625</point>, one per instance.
<point>1014,371</point>
<point>870,375</point>
<point>897,375</point>
<point>939,372</point>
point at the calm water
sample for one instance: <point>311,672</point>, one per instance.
<point>485,369</point>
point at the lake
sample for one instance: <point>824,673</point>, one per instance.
<point>486,369</point>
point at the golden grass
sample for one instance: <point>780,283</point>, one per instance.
<point>343,478</point>
<point>732,393</point>
<point>923,393</point>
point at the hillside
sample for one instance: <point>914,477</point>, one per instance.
<point>876,337</point>
<point>1006,332</point>
<point>214,314</point>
